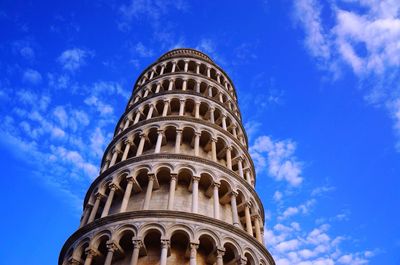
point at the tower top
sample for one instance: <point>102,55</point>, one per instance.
<point>185,52</point>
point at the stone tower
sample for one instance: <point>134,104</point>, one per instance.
<point>177,182</point>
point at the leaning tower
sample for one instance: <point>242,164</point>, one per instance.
<point>176,184</point>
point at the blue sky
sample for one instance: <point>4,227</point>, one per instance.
<point>318,86</point>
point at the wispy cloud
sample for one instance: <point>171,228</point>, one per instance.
<point>32,76</point>
<point>363,37</point>
<point>73,59</point>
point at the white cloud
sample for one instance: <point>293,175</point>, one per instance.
<point>278,157</point>
<point>151,10</point>
<point>364,36</point>
<point>308,14</point>
<point>32,76</point>
<point>278,196</point>
<point>73,59</point>
<point>143,51</point>
<point>102,108</point>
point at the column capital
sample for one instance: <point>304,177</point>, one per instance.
<point>151,176</point>
<point>99,196</point>
<point>166,100</point>
<point>194,245</point>
<point>130,178</point>
<point>220,252</point>
<point>160,131</point>
<point>137,243</point>
<point>165,243</point>
<point>91,252</point>
<point>174,176</point>
<point>197,133</point>
<point>113,186</point>
<point>248,204</point>
<point>196,178</point>
<point>216,184</point>
<point>112,246</point>
<point>234,193</point>
<point>179,130</point>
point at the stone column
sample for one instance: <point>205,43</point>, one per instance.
<point>111,247</point>
<point>136,99</point>
<point>197,68</point>
<point>159,141</point>
<point>126,124</point>
<point>220,254</point>
<point>221,99</point>
<point>128,144</point>
<point>212,119</point>
<point>139,151</point>
<point>198,87</point>
<point>210,91</point>
<point>86,214</point>
<point>234,132</point>
<point>235,216</point>
<point>158,88</point>
<point>195,194</point>
<point>248,176</point>
<point>219,78</point>
<point>184,85</point>
<point>146,92</point>
<point>257,227</point>
<point>240,166</point>
<point>171,84</point>
<point>208,71</point>
<point>149,191</point>
<point>164,251</point>
<point>197,110</point>
<point>181,107</point>
<point>165,108</point>
<point>186,66</point>
<point>110,197</point>
<point>162,69</point>
<point>193,253</point>
<point>197,143</point>
<point>137,117</point>
<point>172,188</point>
<point>150,114</point>
<point>95,207</point>
<point>224,122</point>
<point>229,157</point>
<point>214,149</point>
<point>115,156</point>
<point>127,194</point>
<point>152,74</point>
<point>216,199</point>
<point>178,141</point>
<point>173,67</point>
<point>106,165</point>
<point>249,226</point>
<point>137,245</point>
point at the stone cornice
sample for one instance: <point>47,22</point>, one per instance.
<point>179,52</point>
<point>174,157</point>
<point>179,118</point>
<point>179,92</point>
<point>137,215</point>
<point>194,75</point>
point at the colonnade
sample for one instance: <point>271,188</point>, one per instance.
<point>188,66</point>
<point>250,221</point>
<point>183,106</point>
<point>170,139</point>
<point>186,83</point>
